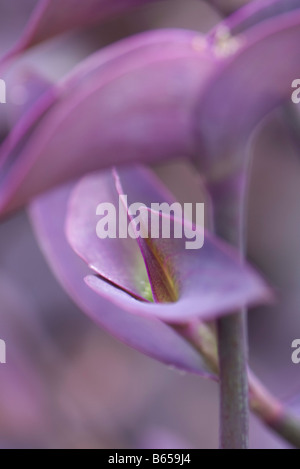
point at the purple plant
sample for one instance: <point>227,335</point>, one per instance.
<point>151,98</point>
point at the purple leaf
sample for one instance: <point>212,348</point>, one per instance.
<point>209,282</point>
<point>130,102</point>
<point>135,101</point>
<point>148,335</point>
<point>53,17</point>
<point>118,260</point>
<point>257,68</point>
<point>256,12</point>
<point>28,87</point>
<point>257,71</point>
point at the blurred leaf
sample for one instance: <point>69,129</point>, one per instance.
<point>258,64</point>
<point>130,102</point>
<point>53,17</point>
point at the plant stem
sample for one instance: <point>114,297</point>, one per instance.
<point>228,202</point>
<point>267,407</point>
<point>234,409</point>
<point>273,413</point>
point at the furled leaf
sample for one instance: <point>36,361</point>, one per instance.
<point>186,284</point>
<point>117,259</point>
<point>147,334</point>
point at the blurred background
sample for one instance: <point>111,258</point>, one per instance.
<point>67,384</point>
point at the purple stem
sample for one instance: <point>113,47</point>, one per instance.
<point>268,408</point>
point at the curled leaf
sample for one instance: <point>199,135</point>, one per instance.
<point>146,334</point>
<point>186,284</point>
